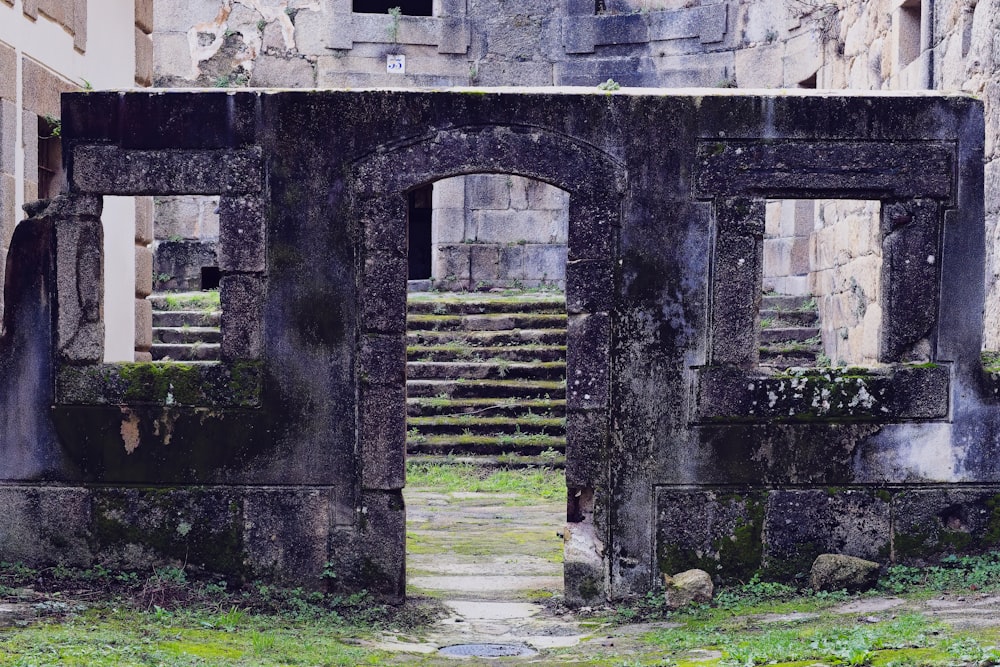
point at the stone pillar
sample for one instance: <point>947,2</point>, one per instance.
<point>143,278</point>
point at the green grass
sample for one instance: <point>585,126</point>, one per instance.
<point>533,483</point>
<point>208,301</point>
<point>166,617</point>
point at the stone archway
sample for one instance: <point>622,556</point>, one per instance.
<point>378,187</point>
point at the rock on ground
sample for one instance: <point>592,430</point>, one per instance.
<point>687,587</point>
<point>834,572</point>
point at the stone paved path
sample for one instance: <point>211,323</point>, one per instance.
<point>495,564</point>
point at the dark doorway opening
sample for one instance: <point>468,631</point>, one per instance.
<point>419,233</point>
<point>210,276</point>
<point>406,7</point>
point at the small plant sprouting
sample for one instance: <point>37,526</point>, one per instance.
<point>396,13</point>
<point>54,127</point>
<point>609,85</point>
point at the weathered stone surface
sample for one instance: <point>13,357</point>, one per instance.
<point>583,558</point>
<point>687,587</point>
<point>677,489</point>
<point>799,525</point>
<point>110,170</point>
<point>714,530</point>
<point>822,169</point>
<point>836,572</point>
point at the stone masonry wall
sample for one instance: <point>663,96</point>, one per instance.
<point>944,44</point>
<point>493,231</point>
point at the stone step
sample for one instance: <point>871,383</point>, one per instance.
<point>191,318</point>
<point>784,318</point>
<point>491,407</point>
<point>776,335</point>
<point>463,352</point>
<point>208,300</point>
<point>481,304</point>
<point>486,322</point>
<point>187,335</point>
<point>785,302</point>
<point>454,370</point>
<point>477,425</point>
<point>523,389</point>
<point>507,461</point>
<point>461,445</point>
<point>556,336</point>
<point>179,352</point>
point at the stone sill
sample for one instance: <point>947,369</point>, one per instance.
<point>213,385</point>
<point>888,394</point>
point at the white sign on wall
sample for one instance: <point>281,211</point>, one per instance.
<point>395,64</point>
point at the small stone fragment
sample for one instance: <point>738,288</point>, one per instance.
<point>686,587</point>
<point>834,572</point>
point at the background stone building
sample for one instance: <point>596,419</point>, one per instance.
<point>48,47</point>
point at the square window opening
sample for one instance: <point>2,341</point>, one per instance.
<point>822,274</point>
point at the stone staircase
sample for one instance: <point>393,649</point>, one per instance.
<point>486,377</point>
<point>789,334</point>
<point>186,326</point>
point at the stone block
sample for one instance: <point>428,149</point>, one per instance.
<point>30,8</point>
<point>41,88</point>
<point>8,216</point>
<point>510,226</point>
<point>931,523</point>
<point>544,262</point>
<point>454,35</point>
<point>242,299</point>
<point>143,271</point>
<point>143,220</point>
<point>760,66</point>
<point>382,360</point>
<point>588,438</point>
<point>991,188</point>
<point>80,289</point>
<point>801,59</point>
<point>144,15</point>
<point>8,73</point>
<point>242,234</point>
<point>287,531</point>
<point>484,263</point>
<point>331,70</point>
<point>817,168</point>
<point>182,15</point>
<point>589,286</point>
<point>172,57</point>
<point>449,226</point>
<point>383,292</point>
<point>592,229</point>
<point>717,531</point>
<point>177,217</point>
<point>544,196</point>
<point>283,72</point>
<point>511,265</point>
<point>452,264</point>
<point>449,193</point>
<point>45,526</point>
<point>487,191</point>
<point>143,58</point>
<point>143,325</point>
<point>79,28</point>
<point>8,136</point>
<point>382,435</point>
<point>110,170</point>
<point>799,525</point>
<point>381,219</point>
<point>383,559</point>
<point>587,374</point>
